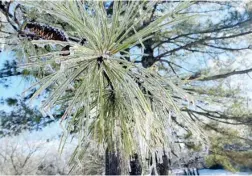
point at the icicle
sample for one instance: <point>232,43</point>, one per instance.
<point>51,116</point>
<point>62,67</point>
<point>49,68</point>
<point>148,126</point>
<point>57,60</point>
<point>194,104</point>
<point>154,164</point>
<point>170,128</point>
<point>141,145</point>
<point>129,167</point>
<point>143,141</point>
<point>169,119</point>
<point>159,155</point>
<point>42,112</point>
<point>73,50</point>
<point>47,110</point>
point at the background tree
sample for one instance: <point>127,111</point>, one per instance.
<point>19,159</point>
<point>22,156</point>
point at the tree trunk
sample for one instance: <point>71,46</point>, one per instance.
<point>149,60</point>
<point>160,168</point>
<point>112,163</point>
<point>163,168</point>
<point>135,165</point>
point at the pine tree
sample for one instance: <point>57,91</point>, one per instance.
<point>130,74</point>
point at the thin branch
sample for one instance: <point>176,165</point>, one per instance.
<point>5,32</point>
<point>200,51</point>
<point>179,48</point>
<point>223,132</point>
<point>217,115</point>
<point>225,48</point>
<point>8,44</point>
<point>201,41</point>
<point>29,156</point>
<point>9,16</point>
<point>3,21</point>
<point>15,15</point>
<point>206,11</point>
<point>172,69</point>
<point>169,63</point>
<point>225,75</point>
<point>12,160</point>
<point>212,30</point>
<point>227,37</point>
<point>218,118</point>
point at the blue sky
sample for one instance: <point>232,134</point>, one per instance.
<point>17,86</point>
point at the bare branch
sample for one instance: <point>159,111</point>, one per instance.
<point>226,48</point>
<point>172,63</point>
<point>225,75</point>
<point>5,32</point>
<point>212,31</point>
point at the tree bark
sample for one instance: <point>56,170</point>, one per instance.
<point>149,60</point>
<point>163,168</point>
<point>112,163</point>
<point>135,165</point>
